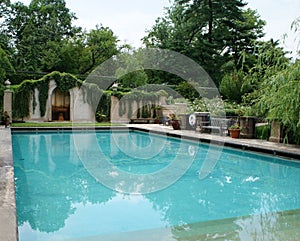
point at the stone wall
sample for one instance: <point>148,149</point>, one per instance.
<point>80,111</point>
<point>166,110</point>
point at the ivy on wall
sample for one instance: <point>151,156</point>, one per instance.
<point>147,99</point>
<point>92,94</point>
<point>24,91</point>
<point>22,94</point>
<point>104,106</point>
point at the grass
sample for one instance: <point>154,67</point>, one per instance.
<point>61,124</point>
<point>263,132</point>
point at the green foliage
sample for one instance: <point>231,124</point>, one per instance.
<point>100,117</point>
<point>104,105</point>
<point>198,105</point>
<point>231,86</point>
<point>147,100</point>
<point>17,78</point>
<point>43,88</point>
<point>5,65</point>
<point>263,132</point>
<point>21,100</point>
<point>234,126</point>
<point>271,59</point>
<point>209,32</point>
<point>24,91</point>
<point>187,90</point>
<point>37,32</point>
<point>43,39</point>
<point>235,109</point>
<point>101,45</point>
<point>131,73</point>
<point>279,98</point>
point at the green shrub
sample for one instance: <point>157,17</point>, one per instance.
<point>263,132</point>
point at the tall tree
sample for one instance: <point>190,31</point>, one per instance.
<point>37,29</point>
<point>102,45</point>
<point>209,31</point>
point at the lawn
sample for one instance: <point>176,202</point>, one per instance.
<point>60,124</point>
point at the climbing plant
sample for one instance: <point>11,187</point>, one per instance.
<point>25,91</point>
<point>104,105</point>
<point>147,99</point>
<point>22,94</point>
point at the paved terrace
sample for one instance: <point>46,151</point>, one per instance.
<point>8,220</point>
<point>291,151</point>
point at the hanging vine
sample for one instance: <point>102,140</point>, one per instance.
<point>148,100</point>
<point>154,111</point>
<point>24,91</point>
<point>138,114</point>
<point>43,87</point>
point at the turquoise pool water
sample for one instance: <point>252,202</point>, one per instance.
<point>59,197</point>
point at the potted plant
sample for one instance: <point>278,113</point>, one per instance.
<point>175,122</point>
<point>6,119</point>
<point>234,130</point>
<point>157,120</point>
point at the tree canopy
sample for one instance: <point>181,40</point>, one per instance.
<point>41,37</point>
<point>210,32</point>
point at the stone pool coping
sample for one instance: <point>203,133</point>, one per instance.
<point>8,218</point>
<point>256,145</point>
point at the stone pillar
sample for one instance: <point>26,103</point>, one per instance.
<point>7,102</point>
<point>276,132</point>
<point>183,121</point>
<point>247,125</point>
<point>114,109</point>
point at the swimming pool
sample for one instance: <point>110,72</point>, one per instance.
<point>61,195</point>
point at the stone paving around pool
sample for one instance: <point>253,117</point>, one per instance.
<point>292,151</point>
<point>8,219</point>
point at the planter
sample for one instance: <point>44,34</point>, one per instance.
<point>276,132</point>
<point>247,124</point>
<point>183,121</point>
<point>235,133</point>
<point>175,124</point>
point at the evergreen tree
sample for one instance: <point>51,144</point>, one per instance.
<point>210,32</point>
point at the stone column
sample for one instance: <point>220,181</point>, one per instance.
<point>7,99</point>
<point>114,109</point>
<point>247,124</point>
<point>276,132</point>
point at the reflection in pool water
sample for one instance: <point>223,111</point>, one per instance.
<point>244,197</point>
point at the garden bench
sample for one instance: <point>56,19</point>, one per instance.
<point>219,124</point>
<point>142,121</point>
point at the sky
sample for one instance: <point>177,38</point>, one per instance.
<point>130,19</point>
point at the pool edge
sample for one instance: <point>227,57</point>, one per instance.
<point>8,217</point>
<point>275,149</point>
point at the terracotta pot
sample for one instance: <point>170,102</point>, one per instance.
<point>175,124</point>
<point>234,133</point>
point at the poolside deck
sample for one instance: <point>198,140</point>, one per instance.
<point>286,150</point>
<point>8,220</point>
